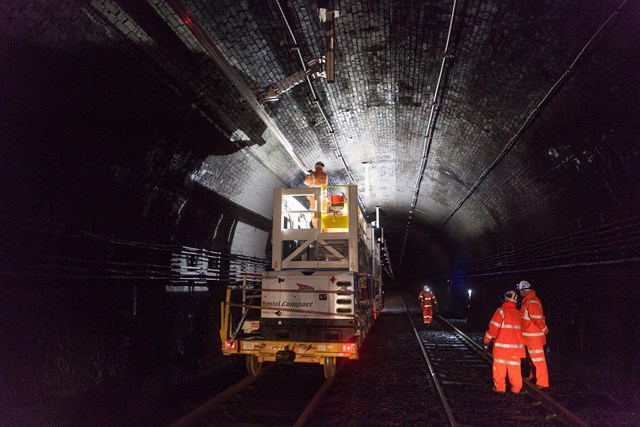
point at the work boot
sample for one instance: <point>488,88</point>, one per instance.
<point>520,393</point>
<point>542,387</point>
<point>493,389</point>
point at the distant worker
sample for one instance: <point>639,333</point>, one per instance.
<point>508,347</point>
<point>317,178</point>
<point>534,331</point>
<point>427,301</point>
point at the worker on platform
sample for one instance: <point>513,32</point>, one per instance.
<point>534,331</point>
<point>508,345</point>
<point>428,302</point>
<point>317,178</point>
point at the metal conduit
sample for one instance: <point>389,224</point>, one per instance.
<point>609,244</point>
<point>319,104</point>
<point>209,46</point>
<point>94,256</point>
<point>428,138</point>
<point>531,117</point>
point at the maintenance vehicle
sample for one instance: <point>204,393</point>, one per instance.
<point>324,292</point>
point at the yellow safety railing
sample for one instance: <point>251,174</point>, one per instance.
<point>225,316</point>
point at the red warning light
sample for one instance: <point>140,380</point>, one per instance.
<point>348,348</point>
<point>187,20</point>
<point>230,345</point>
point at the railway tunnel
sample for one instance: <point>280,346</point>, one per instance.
<point>142,140</point>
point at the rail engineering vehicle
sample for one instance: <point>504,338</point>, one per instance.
<point>324,292</point>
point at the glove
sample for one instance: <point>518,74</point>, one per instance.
<point>486,348</point>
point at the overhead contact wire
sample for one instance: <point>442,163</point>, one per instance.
<point>428,138</point>
<point>218,58</point>
<point>532,116</point>
<point>316,100</point>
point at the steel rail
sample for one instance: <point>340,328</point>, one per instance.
<point>315,401</point>
<point>192,417</point>
<point>202,410</point>
<point>551,404</point>
<point>434,378</point>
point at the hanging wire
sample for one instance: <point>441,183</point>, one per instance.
<point>614,243</point>
<point>428,138</point>
<point>68,252</point>
<point>318,103</point>
<point>531,117</point>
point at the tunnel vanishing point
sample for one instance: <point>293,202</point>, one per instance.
<point>141,142</point>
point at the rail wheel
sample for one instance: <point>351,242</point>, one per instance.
<point>329,367</point>
<point>253,365</point>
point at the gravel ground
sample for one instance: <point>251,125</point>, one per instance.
<point>582,393</point>
<point>389,385</point>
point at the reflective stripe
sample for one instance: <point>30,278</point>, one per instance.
<point>501,314</point>
<point>489,336</point>
<point>499,344</point>
<point>537,316</point>
<point>537,359</point>
<point>512,326</point>
<point>533,334</point>
<point>495,323</point>
<point>536,351</point>
<point>525,315</point>
<point>533,301</point>
<point>506,362</point>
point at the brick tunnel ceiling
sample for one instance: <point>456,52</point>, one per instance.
<point>461,128</point>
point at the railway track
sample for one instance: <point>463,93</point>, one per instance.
<point>279,396</point>
<point>390,385</point>
<point>461,375</point>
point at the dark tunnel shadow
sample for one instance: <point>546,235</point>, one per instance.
<point>89,130</point>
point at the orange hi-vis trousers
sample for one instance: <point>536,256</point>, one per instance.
<point>538,362</point>
<point>427,313</point>
<point>502,369</point>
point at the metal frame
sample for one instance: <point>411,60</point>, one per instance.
<point>315,235</point>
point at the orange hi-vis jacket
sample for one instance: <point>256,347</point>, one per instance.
<point>428,299</point>
<point>317,178</point>
<point>505,329</point>
<point>534,327</point>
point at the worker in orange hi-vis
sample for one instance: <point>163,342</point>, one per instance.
<point>534,331</point>
<point>317,178</point>
<point>427,301</point>
<point>508,347</point>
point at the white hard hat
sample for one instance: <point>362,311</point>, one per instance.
<point>426,288</point>
<point>523,285</point>
<point>511,296</point>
